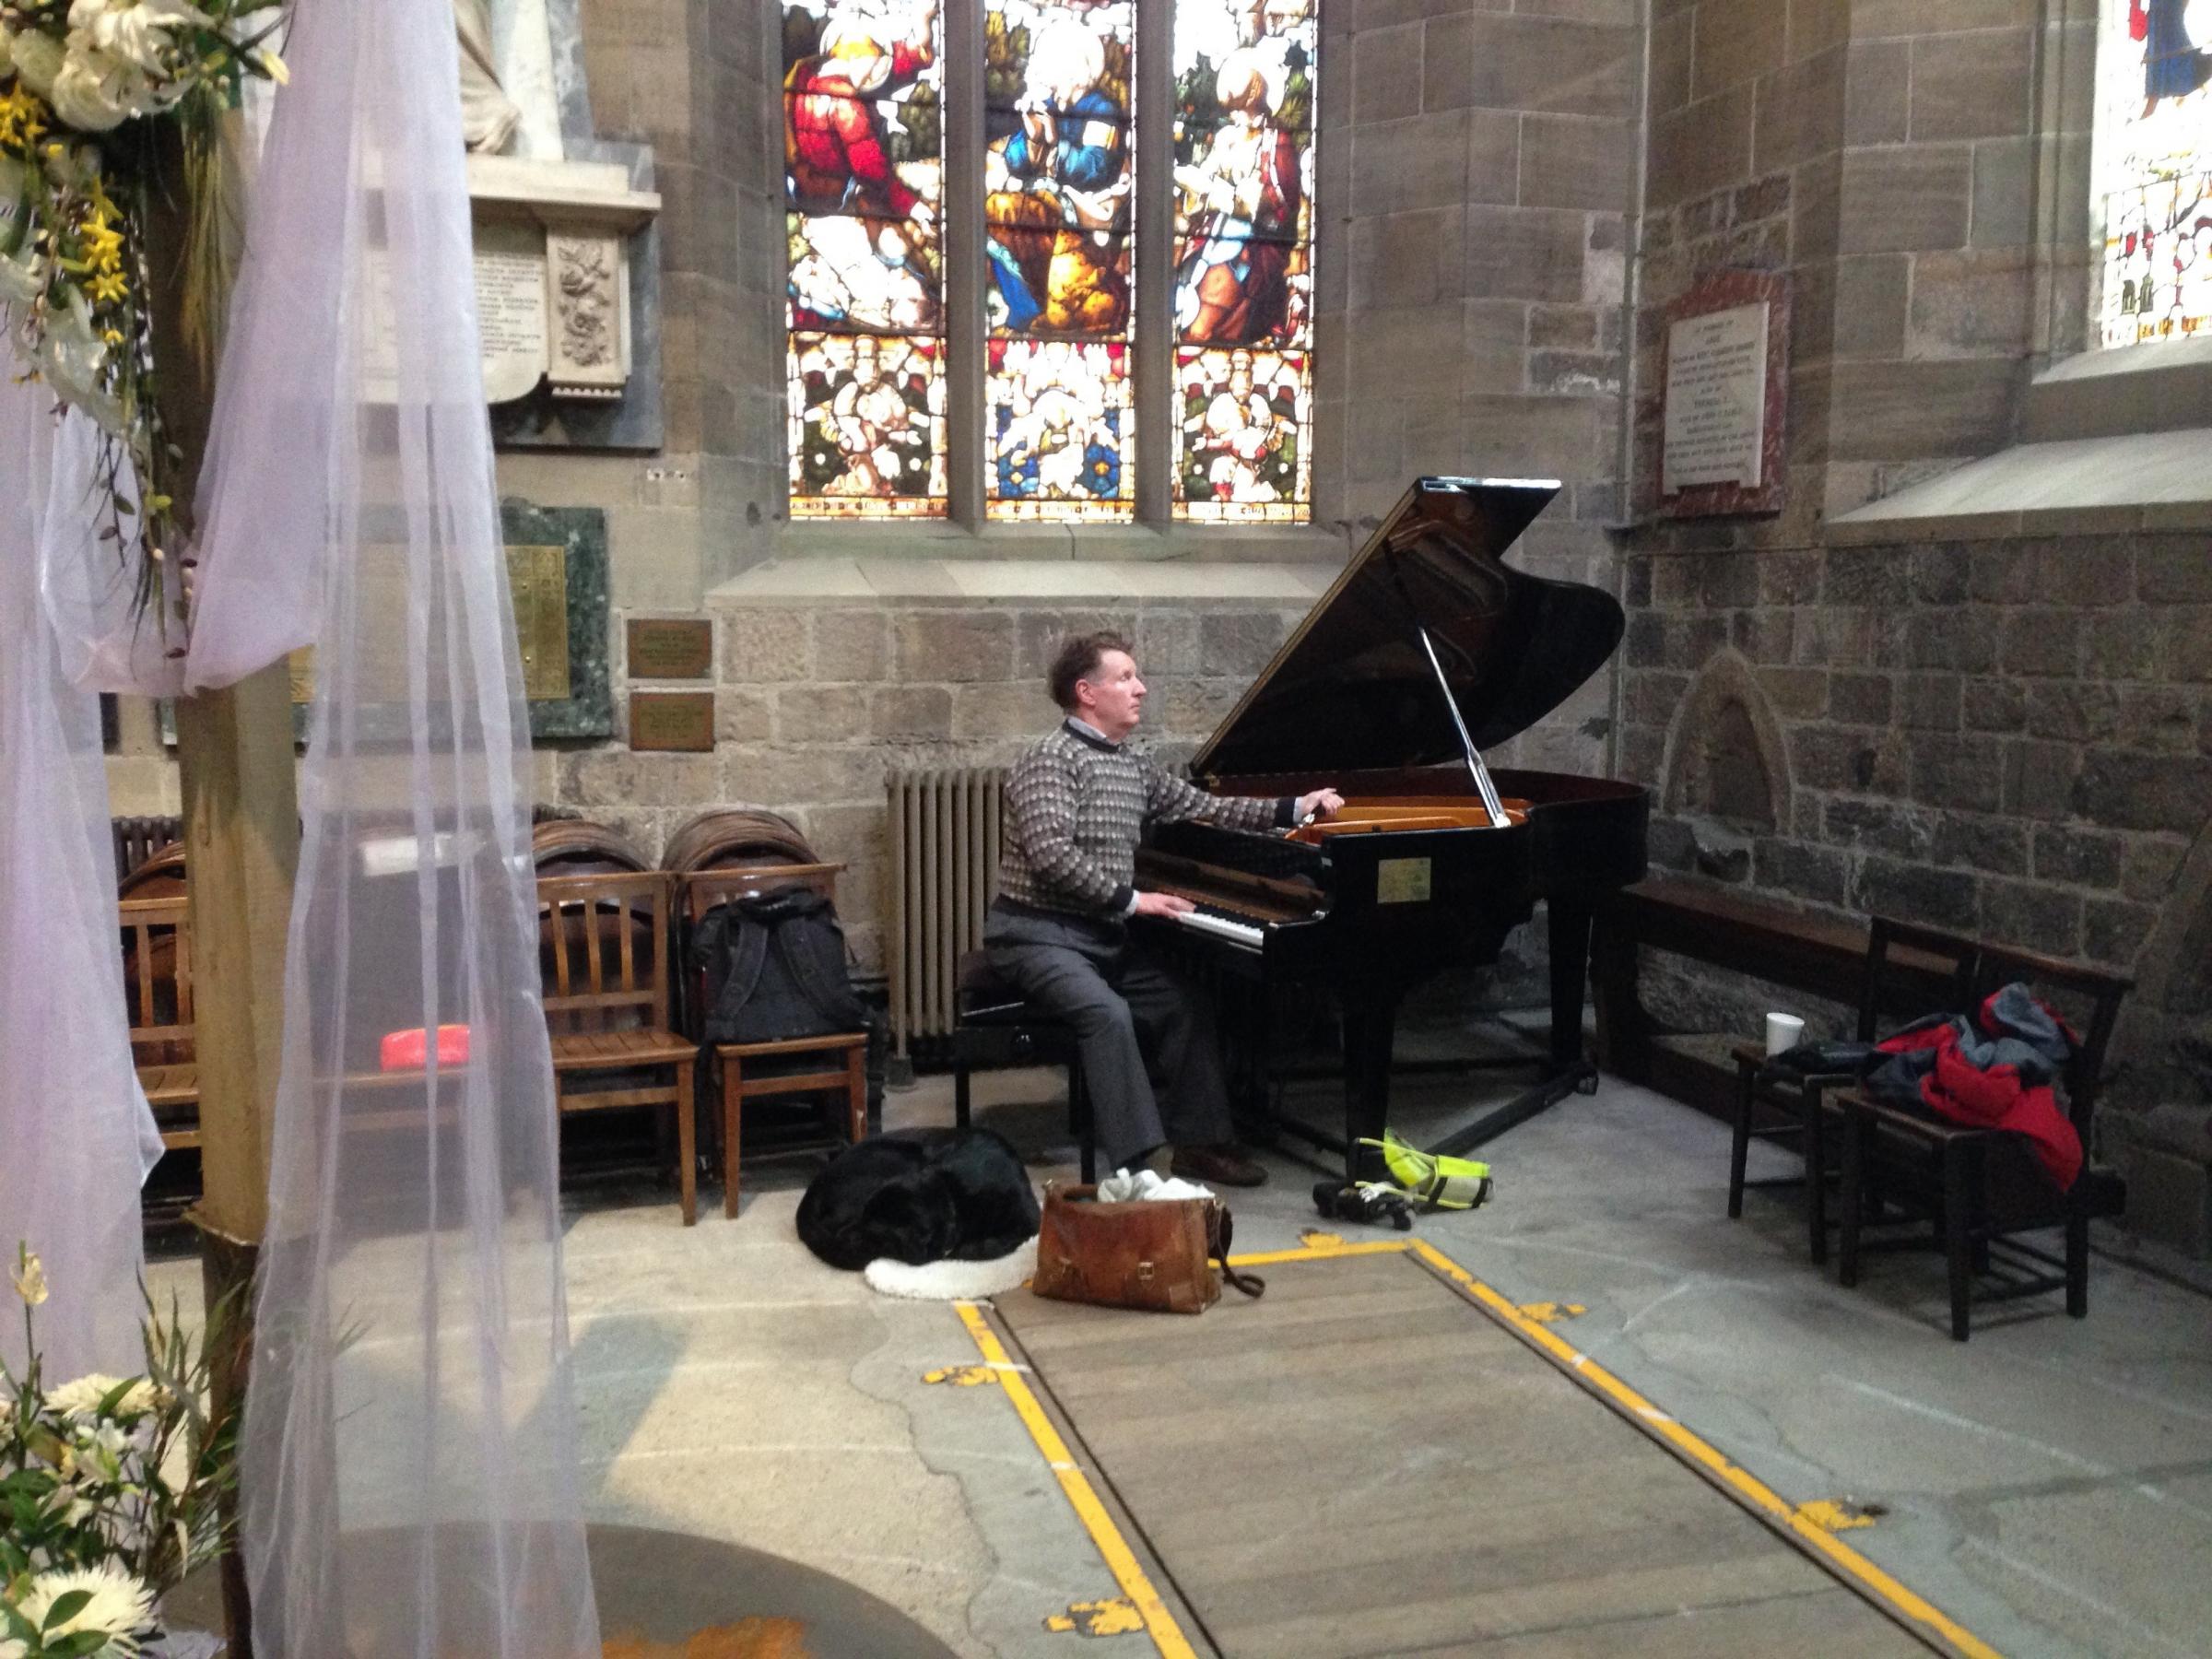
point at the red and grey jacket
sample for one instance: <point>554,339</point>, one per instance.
<point>1993,1070</point>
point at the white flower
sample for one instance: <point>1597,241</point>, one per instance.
<point>121,1605</point>
<point>96,92</point>
<point>8,38</point>
<point>38,58</point>
<point>137,31</point>
<point>82,1397</point>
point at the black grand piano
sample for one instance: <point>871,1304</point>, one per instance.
<point>1427,650</point>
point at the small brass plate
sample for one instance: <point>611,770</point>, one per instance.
<point>539,579</point>
<point>677,648</point>
<point>682,721</point>
<point>1401,881</point>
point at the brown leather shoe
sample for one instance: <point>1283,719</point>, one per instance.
<point>1223,1165</point>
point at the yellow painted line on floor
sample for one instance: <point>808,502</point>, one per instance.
<point>1323,1253</point>
<point>1804,1522</point>
<point>1121,1560</point>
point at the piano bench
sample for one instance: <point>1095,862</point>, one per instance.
<point>996,1027</point>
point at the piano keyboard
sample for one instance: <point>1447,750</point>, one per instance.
<point>1242,933</point>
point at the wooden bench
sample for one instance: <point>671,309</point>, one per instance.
<point>157,993</point>
<point>603,943</point>
<point>1819,955</point>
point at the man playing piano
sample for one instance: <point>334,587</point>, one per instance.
<point>1076,804</point>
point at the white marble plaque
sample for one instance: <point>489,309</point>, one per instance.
<point>511,308</point>
<point>1716,397</point>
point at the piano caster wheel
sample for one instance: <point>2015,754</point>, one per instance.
<point>1585,1082</point>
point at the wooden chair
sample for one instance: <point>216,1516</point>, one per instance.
<point>1797,1104</point>
<point>845,1053</point>
<point>157,991</point>
<point>603,943</point>
<point>1980,1188</point>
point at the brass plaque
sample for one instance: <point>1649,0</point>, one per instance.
<point>671,720</point>
<point>680,649</point>
<point>1401,881</point>
<point>537,577</point>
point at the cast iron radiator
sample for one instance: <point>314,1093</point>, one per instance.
<point>943,858</point>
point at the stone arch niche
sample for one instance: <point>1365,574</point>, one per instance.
<point>1726,776</point>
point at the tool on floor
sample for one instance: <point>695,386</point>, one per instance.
<point>1436,1181</point>
<point>1373,1201</point>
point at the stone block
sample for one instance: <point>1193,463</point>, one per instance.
<point>2088,858</point>
<point>2041,643</point>
<point>742,716</point>
<point>1880,576</point>
<point>1985,843</point>
<point>766,645</point>
<point>1972,86</point>
<point>2031,917</point>
<point>2173,570</point>
<point>1815,875</point>
<point>1845,758</point>
<point>1728,580</point>
<point>1556,437</point>
<point>852,645</point>
<point>1912,411</point>
<point>613,777</point>
<point>1880,827</point>
<point>822,714</point>
<point>1237,642</point>
<point>1870,305</point>
<point>1800,109</point>
<point>2132,790</point>
<point>1703,147</point>
<point>1673,38</point>
<point>2121,646</point>
<point>2148,864</point>
<point>1038,636</point>
<point>1386,73</point>
<point>1859,699</point>
<point>1007,709</point>
<point>782,776</point>
<point>1877,18</point>
<point>1650,697</point>
<point>1796,693</point>
<point>913,714</point>
<point>2158,717</point>
<point>1815,25</point>
<point>1878,95</point>
<point>2073,710</point>
<point>1966,774</point>
<point>1789,578</point>
<point>1421,161</point>
<point>1194,708</point>
<point>1572,162</point>
<point>1767,637</point>
<point>1972,302</point>
<point>1940,574</point>
<point>1558,64</point>
<point>1928,703</point>
<point>2004,192</point>
<point>1524,253</point>
<point>2039,778</point>
<point>1406,258</point>
<point>1839,637</point>
<point>2169,1199</point>
<point>1891,887</point>
<point>964,646</point>
<point>1737,41</point>
<point>1906,200</point>
<point>2188,631</point>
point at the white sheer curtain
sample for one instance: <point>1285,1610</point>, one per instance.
<point>409,1479</point>
<point>75,1136</point>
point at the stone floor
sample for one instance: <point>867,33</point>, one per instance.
<point>2048,1485</point>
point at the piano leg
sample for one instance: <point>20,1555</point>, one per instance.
<point>1370,1026</point>
<point>1569,926</point>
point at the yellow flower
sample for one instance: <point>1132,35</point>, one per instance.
<point>109,289</point>
<point>22,118</point>
<point>29,1277</point>
<point>275,66</point>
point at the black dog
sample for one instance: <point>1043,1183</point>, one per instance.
<point>918,1196</point>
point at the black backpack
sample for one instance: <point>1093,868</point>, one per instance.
<point>775,968</point>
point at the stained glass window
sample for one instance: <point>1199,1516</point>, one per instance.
<point>884,325</point>
<point>864,167</point>
<point>2154,169</point>
<point>1243,258</point>
<point>1058,169</point>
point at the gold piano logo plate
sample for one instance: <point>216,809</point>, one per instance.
<point>1401,881</point>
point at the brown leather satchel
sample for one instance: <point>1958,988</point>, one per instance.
<point>1165,1253</point>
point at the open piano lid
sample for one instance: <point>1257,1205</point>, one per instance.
<point>1352,689</point>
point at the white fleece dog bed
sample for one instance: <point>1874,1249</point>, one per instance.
<point>952,1281</point>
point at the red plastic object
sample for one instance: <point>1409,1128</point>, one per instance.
<point>405,1050</point>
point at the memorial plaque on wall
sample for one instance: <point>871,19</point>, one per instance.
<point>680,721</point>
<point>1727,390</point>
<point>672,648</point>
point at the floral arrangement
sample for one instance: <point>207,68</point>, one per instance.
<point>95,97</point>
<point>110,1491</point>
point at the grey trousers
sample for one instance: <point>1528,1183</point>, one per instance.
<point>1136,1021</point>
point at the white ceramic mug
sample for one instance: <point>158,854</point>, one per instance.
<point>1783,1032</point>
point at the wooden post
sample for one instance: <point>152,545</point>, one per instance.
<point>241,847</point>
